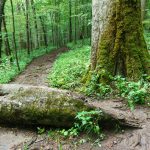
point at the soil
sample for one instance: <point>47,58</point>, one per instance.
<point>36,73</point>
<point>118,138</point>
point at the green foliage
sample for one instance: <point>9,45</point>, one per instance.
<point>85,122</point>
<point>25,147</point>
<point>41,130</point>
<point>69,67</point>
<point>134,92</point>
<point>93,88</point>
<point>9,70</point>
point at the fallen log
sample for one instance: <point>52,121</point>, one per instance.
<point>32,105</point>
<point>37,105</point>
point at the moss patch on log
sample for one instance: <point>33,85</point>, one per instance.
<point>37,106</point>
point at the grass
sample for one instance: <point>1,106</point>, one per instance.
<point>70,67</point>
<point>9,71</point>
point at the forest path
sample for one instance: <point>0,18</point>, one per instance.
<point>37,71</point>
<point>35,74</point>
<point>131,139</point>
<point>135,138</point>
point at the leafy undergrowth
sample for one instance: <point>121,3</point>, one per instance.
<point>133,92</point>
<point>9,70</point>
<point>86,130</point>
<point>87,122</point>
<point>70,67</point>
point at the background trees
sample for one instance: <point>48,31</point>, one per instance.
<point>45,23</point>
<point>34,24</point>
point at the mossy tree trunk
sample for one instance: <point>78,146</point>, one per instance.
<point>2,4</point>
<point>118,45</point>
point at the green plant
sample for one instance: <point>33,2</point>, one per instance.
<point>8,70</point>
<point>134,92</point>
<point>93,88</point>
<point>25,147</point>
<point>85,122</point>
<point>40,130</point>
<point>69,67</point>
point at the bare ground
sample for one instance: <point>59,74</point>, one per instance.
<point>36,73</point>
<point>127,139</point>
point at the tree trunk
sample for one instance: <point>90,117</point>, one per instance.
<point>20,104</point>
<point>35,23</point>
<point>75,22</point>
<point>27,26</point>
<point>118,45</point>
<point>70,21</point>
<point>44,31</point>
<point>7,44</point>
<point>14,35</point>
<point>37,105</point>
<point>2,4</point>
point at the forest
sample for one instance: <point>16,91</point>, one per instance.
<point>74,74</point>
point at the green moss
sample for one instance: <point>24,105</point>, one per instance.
<point>37,106</point>
<point>122,48</point>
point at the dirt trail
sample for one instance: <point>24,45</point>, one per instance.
<point>131,139</point>
<point>35,74</point>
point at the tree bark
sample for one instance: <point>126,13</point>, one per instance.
<point>7,44</point>
<point>2,4</point>
<point>118,45</point>
<point>70,21</point>
<point>27,26</point>
<point>44,31</point>
<point>14,35</point>
<point>37,105</point>
<point>35,23</point>
<point>20,104</point>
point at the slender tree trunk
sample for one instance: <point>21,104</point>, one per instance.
<point>14,36</point>
<point>20,9</point>
<point>70,21</point>
<point>44,31</point>
<point>35,23</point>
<point>75,21</point>
<point>118,45</point>
<point>27,27</point>
<point>8,49</point>
<point>52,27</point>
<point>2,4</point>
<point>31,41</point>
